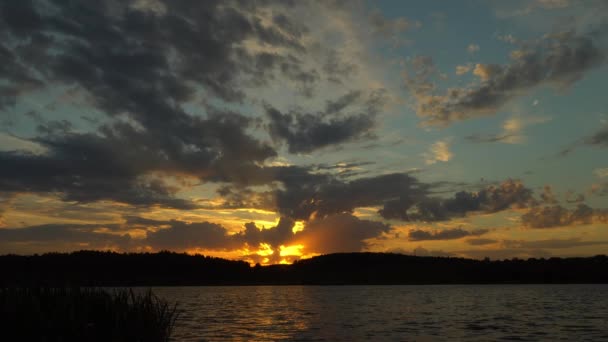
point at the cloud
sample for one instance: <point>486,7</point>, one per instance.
<point>439,152</point>
<point>472,48</point>
<point>528,7</point>
<point>463,69</point>
<point>181,236</point>
<point>330,234</point>
<point>548,196</point>
<point>274,236</point>
<point>600,138</point>
<point>88,167</point>
<point>558,216</point>
<point>551,243</point>
<point>512,133</point>
<point>599,189</point>
<point>9,143</point>
<point>63,237</point>
<point>160,75</point>
<point>481,242</point>
<point>491,199</point>
<point>305,194</point>
<point>557,60</point>
<point>446,234</point>
<point>601,172</point>
<point>390,27</point>
<point>339,233</point>
<point>306,132</point>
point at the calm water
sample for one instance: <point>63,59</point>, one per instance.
<point>391,313</point>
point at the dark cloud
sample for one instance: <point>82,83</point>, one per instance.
<point>493,198</point>
<point>547,196</point>
<point>597,139</point>
<point>481,242</point>
<point>558,216</point>
<point>322,195</point>
<point>274,236</point>
<point>182,236</point>
<point>600,138</point>
<point>476,138</point>
<point>141,64</point>
<point>335,233</point>
<point>445,234</point>
<point>144,64</point>
<point>339,233</point>
<point>87,167</point>
<point>551,243</point>
<point>63,237</point>
<point>557,60</point>
<point>303,193</point>
<point>306,132</point>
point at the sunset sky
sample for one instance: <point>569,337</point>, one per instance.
<point>274,130</point>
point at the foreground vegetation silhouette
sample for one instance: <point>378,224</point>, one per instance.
<point>76,314</point>
<point>93,268</point>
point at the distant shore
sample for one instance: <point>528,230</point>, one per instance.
<point>94,268</point>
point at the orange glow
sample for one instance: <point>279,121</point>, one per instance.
<point>298,227</point>
<point>265,250</point>
<point>293,250</point>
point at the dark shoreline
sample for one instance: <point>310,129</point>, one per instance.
<point>108,269</point>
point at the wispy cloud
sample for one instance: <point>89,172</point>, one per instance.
<point>512,130</point>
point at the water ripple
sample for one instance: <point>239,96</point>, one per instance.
<point>391,313</point>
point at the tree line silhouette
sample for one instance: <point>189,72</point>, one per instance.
<point>96,268</point>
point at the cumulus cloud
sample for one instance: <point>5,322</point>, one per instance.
<point>334,233</point>
<point>87,167</point>
<point>142,66</point>
<point>547,196</point>
<point>493,198</point>
<point>182,236</point>
<point>306,132</point>
<point>339,233</point>
<point>558,216</point>
<point>438,152</point>
<point>557,60</point>
<point>445,234</point>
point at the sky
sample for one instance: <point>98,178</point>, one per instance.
<point>270,131</point>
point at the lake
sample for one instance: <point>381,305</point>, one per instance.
<point>391,313</point>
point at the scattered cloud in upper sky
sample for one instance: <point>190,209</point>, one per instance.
<point>439,152</point>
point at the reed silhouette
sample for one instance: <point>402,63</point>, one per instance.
<point>77,314</point>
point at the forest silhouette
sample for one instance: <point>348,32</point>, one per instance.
<point>96,268</point>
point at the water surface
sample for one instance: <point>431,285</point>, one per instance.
<point>391,313</point>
